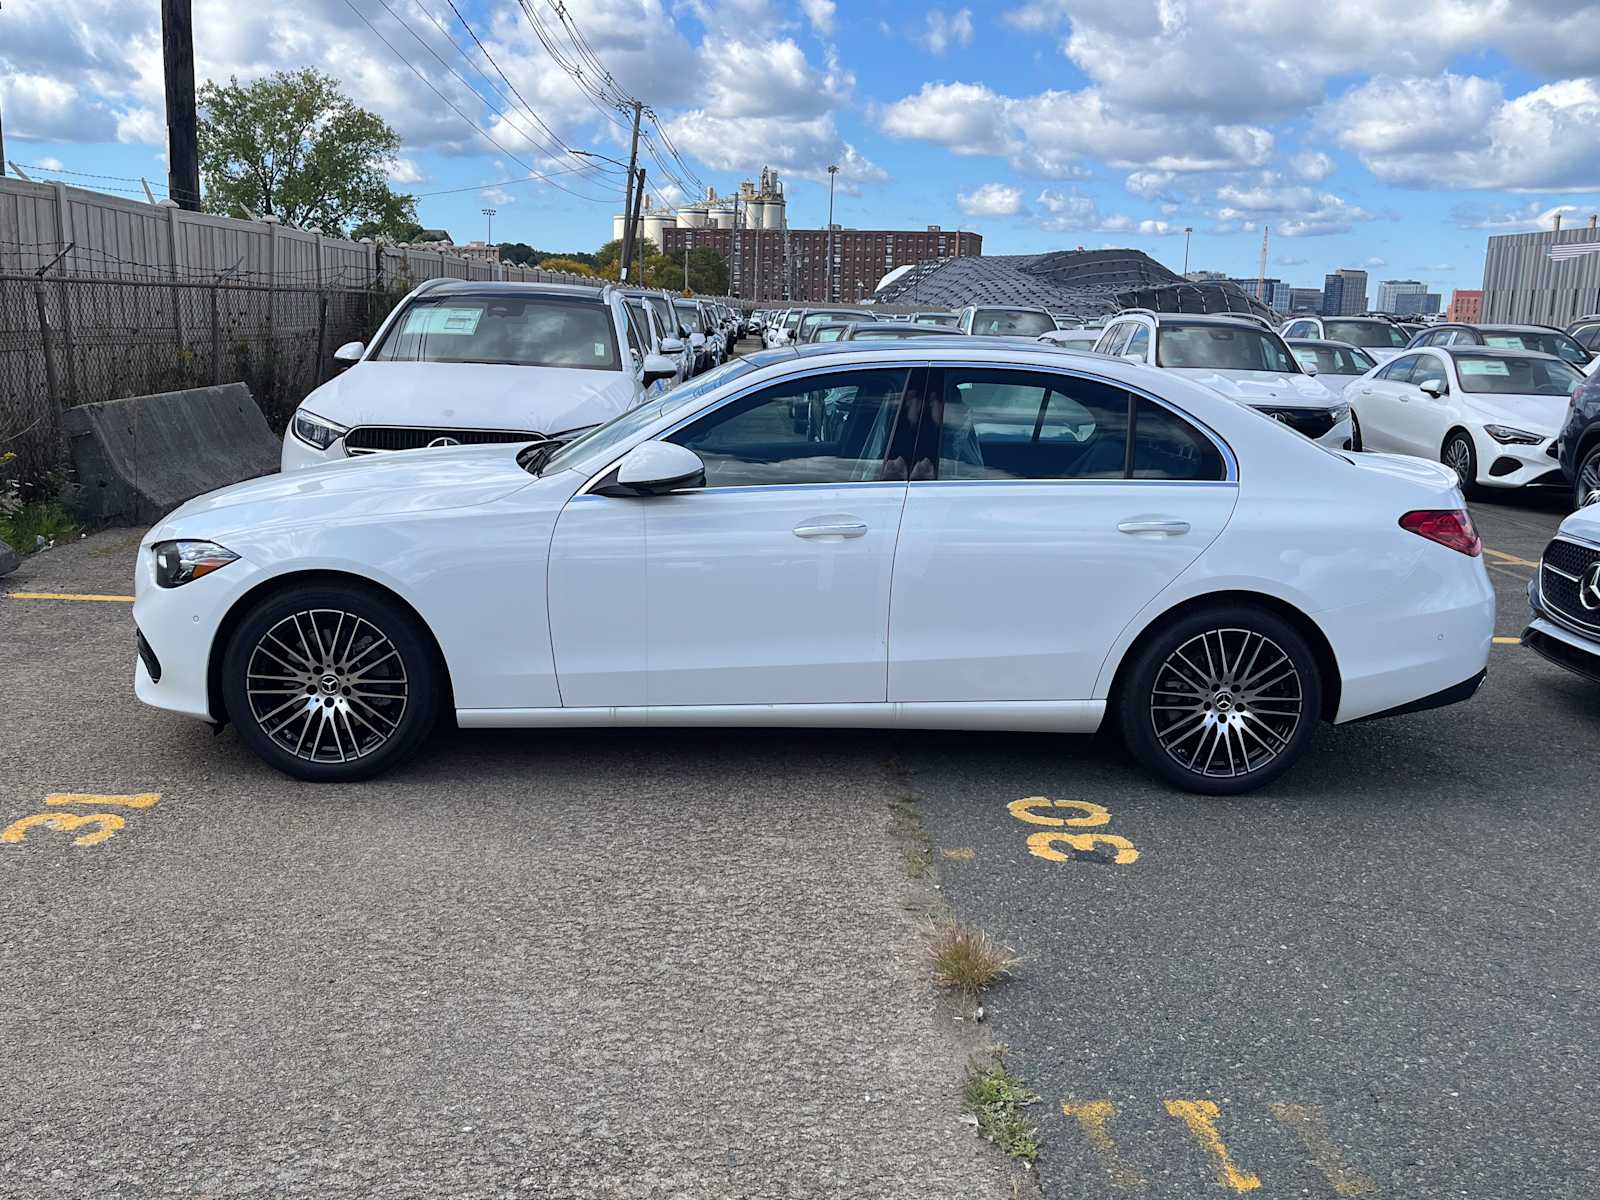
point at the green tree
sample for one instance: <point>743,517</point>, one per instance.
<point>293,146</point>
<point>708,270</point>
<point>555,263</point>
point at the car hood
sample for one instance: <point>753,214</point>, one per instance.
<point>473,396</point>
<point>1585,524</point>
<point>407,481</point>
<point>1269,388</point>
<point>1337,384</point>
<point>1537,414</point>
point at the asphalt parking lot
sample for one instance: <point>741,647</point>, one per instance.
<point>658,963</point>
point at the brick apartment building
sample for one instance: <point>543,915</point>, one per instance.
<point>791,264</point>
<point>1466,305</point>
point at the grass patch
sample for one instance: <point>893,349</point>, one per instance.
<point>918,860</point>
<point>997,1098</point>
<point>968,960</point>
<point>23,526</point>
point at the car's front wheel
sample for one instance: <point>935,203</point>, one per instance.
<point>1586,481</point>
<point>1221,700</point>
<point>1459,455</point>
<point>331,684</point>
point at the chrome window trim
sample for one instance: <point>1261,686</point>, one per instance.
<point>1229,459</point>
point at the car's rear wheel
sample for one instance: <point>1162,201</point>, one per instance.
<point>1586,481</point>
<point>331,684</point>
<point>1459,455</point>
<point>1355,431</point>
<point>1221,700</point>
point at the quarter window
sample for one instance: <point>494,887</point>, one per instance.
<point>1165,446</point>
<point>835,428</point>
<point>1139,343</point>
<point>1112,341</point>
<point>1399,371</point>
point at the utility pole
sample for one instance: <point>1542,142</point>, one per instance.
<point>177,60</point>
<point>634,226</point>
<point>833,170</point>
<point>686,264</point>
<point>629,200</point>
<point>488,239</point>
<point>1187,230</point>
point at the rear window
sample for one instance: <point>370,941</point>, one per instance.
<point>1223,348</point>
<point>1011,322</point>
<point>1540,341</point>
<point>1333,360</point>
<point>1504,375</point>
<point>948,320</point>
<point>520,331</point>
<point>1378,334</point>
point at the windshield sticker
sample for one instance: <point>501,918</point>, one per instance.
<point>1503,341</point>
<point>433,319</point>
<point>1481,366</point>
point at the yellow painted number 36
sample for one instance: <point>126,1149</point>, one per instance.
<point>96,827</point>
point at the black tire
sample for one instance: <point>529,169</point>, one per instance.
<point>1266,729</point>
<point>1586,479</point>
<point>1355,431</point>
<point>1459,454</point>
<point>375,706</point>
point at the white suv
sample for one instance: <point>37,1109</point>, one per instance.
<point>1236,357</point>
<point>1380,338</point>
<point>994,320</point>
<point>464,363</point>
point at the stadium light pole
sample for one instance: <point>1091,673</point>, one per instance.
<point>488,238</point>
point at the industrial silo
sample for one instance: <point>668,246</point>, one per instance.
<point>693,216</point>
<point>654,224</point>
<point>722,217</point>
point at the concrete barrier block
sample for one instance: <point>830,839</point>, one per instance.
<point>138,459</point>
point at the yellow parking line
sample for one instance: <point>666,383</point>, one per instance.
<point>1502,556</point>
<point>1505,641</point>
<point>68,596</point>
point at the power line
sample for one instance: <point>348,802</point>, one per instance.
<point>453,108</point>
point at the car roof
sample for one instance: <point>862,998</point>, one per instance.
<point>498,287</point>
<point>1304,341</point>
<point>1490,352</point>
<point>893,325</point>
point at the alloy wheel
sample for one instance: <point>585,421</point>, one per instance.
<point>1226,703</point>
<point>1458,457</point>
<point>326,685</point>
<point>1588,479</point>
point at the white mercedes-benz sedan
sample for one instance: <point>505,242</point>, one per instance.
<point>958,533</point>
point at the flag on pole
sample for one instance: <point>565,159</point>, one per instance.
<point>1568,250</point>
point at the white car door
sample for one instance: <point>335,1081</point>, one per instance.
<point>1033,533</point>
<point>769,585</point>
<point>1379,400</point>
<point>1424,419</point>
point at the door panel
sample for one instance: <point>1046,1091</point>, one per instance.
<point>596,589</point>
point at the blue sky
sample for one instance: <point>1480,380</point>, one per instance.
<point>1368,134</point>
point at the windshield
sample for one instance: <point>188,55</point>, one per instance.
<point>812,320</point>
<point>949,320</point>
<point>828,333</point>
<point>590,451</point>
<point>663,311</point>
<point>518,331</point>
<point>1380,334</point>
<point>1223,348</point>
<point>1503,375</point>
<point>869,333</point>
<point>1011,322</point>
<point>1543,341</point>
<point>689,317</point>
<point>790,321</point>
<point>1333,360</point>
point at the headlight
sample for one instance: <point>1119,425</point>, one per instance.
<point>1507,436</point>
<point>178,563</point>
<point>1339,412</point>
<point>314,430</point>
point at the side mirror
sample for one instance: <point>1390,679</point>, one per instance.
<point>672,345</point>
<point>1309,368</point>
<point>697,340</point>
<point>348,353</point>
<point>654,469</point>
<point>1434,388</point>
<point>658,366</point>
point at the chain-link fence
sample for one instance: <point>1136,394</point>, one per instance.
<point>72,340</point>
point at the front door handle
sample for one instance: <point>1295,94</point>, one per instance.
<point>830,528</point>
<point>1169,527</point>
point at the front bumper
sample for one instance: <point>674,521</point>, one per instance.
<point>1557,643</point>
<point>1502,466</point>
<point>297,454</point>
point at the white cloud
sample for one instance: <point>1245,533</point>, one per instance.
<point>1313,166</point>
<point>1051,133</point>
<point>1148,184</point>
<point>799,148</point>
<point>404,170</point>
<point>1534,215</point>
<point>1293,210</point>
<point>495,194</point>
<point>1374,262</point>
<point>1459,132</point>
<point>947,29</point>
<point>1075,212</point>
<point>991,200</point>
<point>820,13</point>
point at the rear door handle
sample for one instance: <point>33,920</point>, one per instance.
<point>1170,527</point>
<point>827,528</point>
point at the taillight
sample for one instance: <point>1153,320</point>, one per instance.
<point>1448,526</point>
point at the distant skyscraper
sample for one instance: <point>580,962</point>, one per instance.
<point>1344,293</point>
<point>1401,296</point>
<point>1276,296</point>
<point>1305,300</point>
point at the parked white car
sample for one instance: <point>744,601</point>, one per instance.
<point>647,327</point>
<point>995,320</point>
<point>1379,338</point>
<point>1237,358</point>
<point>1069,541</point>
<point>1565,597</point>
<point>1490,415</point>
<point>1335,364</point>
<point>464,363</point>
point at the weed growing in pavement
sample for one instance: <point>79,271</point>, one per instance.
<point>32,524</point>
<point>968,960</point>
<point>997,1098</point>
<point>918,860</point>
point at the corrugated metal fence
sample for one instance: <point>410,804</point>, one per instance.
<point>103,297</point>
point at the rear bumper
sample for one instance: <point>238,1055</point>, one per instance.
<point>1454,694</point>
